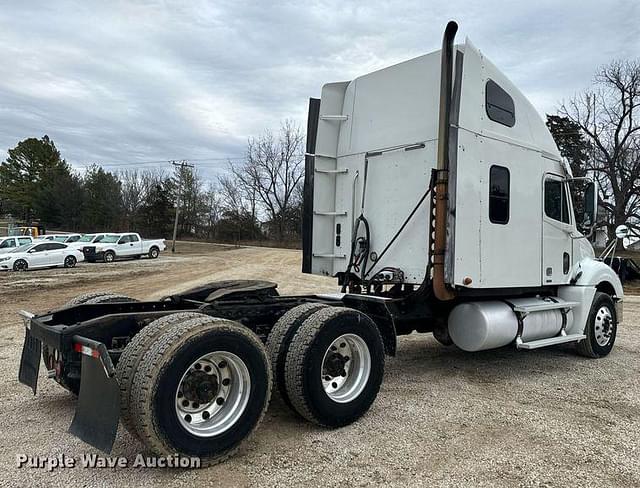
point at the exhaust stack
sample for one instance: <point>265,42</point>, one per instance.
<point>441,290</point>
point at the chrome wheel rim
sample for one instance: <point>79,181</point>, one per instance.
<point>212,394</point>
<point>603,326</point>
<point>108,258</point>
<point>346,368</point>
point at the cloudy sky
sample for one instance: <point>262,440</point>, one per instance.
<point>131,83</point>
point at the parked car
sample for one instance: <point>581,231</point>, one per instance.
<point>127,245</point>
<point>87,239</point>
<point>40,254</point>
<point>10,243</point>
<point>65,238</point>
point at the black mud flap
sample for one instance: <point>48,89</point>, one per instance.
<point>30,361</point>
<point>98,410</point>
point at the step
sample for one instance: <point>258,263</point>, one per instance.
<point>332,171</point>
<point>542,306</point>
<point>331,214</point>
<point>337,118</point>
<point>551,341</point>
<point>330,256</point>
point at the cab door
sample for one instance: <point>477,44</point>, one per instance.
<point>557,227</point>
<point>124,246</point>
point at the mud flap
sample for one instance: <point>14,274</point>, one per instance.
<point>98,410</point>
<point>30,361</point>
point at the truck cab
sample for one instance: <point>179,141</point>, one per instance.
<point>437,173</point>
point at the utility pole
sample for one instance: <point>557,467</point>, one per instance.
<point>182,165</point>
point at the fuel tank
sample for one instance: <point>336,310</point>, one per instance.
<point>476,326</point>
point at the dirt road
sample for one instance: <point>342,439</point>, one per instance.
<point>442,418</point>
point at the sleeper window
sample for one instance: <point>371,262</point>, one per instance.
<point>555,200</point>
<point>499,195</point>
<point>499,105</point>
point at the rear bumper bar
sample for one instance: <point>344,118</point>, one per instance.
<point>98,409</point>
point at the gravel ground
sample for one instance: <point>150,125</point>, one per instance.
<point>443,417</point>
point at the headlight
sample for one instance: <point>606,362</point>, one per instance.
<point>5,259</point>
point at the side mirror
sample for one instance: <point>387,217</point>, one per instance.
<point>590,206</point>
<point>31,251</point>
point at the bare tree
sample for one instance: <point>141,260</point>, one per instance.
<point>213,206</point>
<point>272,174</point>
<point>134,192</point>
<point>608,115</point>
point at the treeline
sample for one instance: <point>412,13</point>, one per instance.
<point>257,199</point>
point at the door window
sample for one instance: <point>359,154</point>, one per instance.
<point>555,200</point>
<point>7,243</point>
<point>24,240</point>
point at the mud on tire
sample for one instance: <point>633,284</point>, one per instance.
<point>162,372</point>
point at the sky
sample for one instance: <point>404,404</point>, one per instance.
<point>133,84</point>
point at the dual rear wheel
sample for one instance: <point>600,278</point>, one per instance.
<point>197,385</point>
<point>328,362</point>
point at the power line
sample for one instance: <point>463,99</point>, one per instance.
<point>234,159</point>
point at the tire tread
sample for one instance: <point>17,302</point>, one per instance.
<point>154,362</point>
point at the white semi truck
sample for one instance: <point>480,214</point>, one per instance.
<point>436,196</point>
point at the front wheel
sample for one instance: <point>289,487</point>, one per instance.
<point>70,262</point>
<point>20,265</point>
<point>201,389</point>
<point>601,328</point>
<point>334,366</point>
<point>109,257</point>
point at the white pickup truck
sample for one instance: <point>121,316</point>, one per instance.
<point>127,245</point>
<point>10,243</point>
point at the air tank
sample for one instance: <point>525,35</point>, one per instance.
<point>477,326</point>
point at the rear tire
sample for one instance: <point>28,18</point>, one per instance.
<point>162,380</point>
<point>335,366</point>
<point>132,355</point>
<point>154,252</point>
<point>20,265</point>
<point>600,329</point>
<point>70,262</point>
<point>279,340</point>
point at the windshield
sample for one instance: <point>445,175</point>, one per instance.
<point>110,239</point>
<point>86,238</point>
<point>22,248</point>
